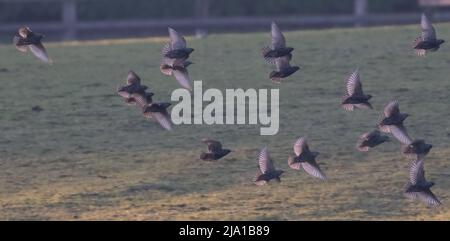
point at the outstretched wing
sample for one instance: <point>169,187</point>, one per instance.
<point>354,86</point>
<point>265,163</point>
<point>301,146</point>
<point>182,76</point>
<point>133,78</point>
<point>278,40</point>
<point>163,119</point>
<point>416,172</point>
<point>400,133</point>
<point>176,40</point>
<point>313,169</point>
<point>428,197</point>
<point>39,51</point>
<point>428,31</point>
<point>391,109</point>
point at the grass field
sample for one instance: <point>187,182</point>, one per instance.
<point>87,156</point>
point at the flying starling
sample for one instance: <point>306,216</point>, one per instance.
<point>177,48</point>
<point>370,139</point>
<point>133,85</point>
<point>215,151</point>
<point>306,159</point>
<point>26,39</point>
<point>267,169</point>
<point>391,116</point>
<point>414,149</point>
<point>278,47</point>
<point>427,41</point>
<point>177,68</point>
<point>158,112</point>
<point>283,69</point>
<point>418,187</point>
<point>355,97</point>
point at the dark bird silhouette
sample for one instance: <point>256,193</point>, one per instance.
<point>36,108</point>
<point>278,47</point>
<point>133,86</point>
<point>391,116</point>
<point>306,159</point>
<point>215,151</point>
<point>370,139</point>
<point>267,169</point>
<point>177,48</point>
<point>418,187</point>
<point>283,69</point>
<point>414,149</point>
<point>355,97</point>
<point>26,39</point>
<point>427,41</point>
<point>158,112</point>
<point>177,68</point>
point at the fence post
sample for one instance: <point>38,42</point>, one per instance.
<point>360,11</point>
<point>69,18</point>
<point>201,13</point>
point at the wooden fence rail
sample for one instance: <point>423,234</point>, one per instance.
<point>69,23</point>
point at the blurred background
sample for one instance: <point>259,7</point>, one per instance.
<point>93,19</point>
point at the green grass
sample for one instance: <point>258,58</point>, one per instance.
<point>89,156</point>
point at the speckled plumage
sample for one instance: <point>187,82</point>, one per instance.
<point>355,97</point>
<point>427,41</point>
<point>306,159</point>
<point>267,169</point>
<point>418,187</point>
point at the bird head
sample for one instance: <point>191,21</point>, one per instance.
<point>24,31</point>
<point>440,41</point>
<point>189,50</point>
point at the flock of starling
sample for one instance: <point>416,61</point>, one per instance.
<point>174,63</point>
